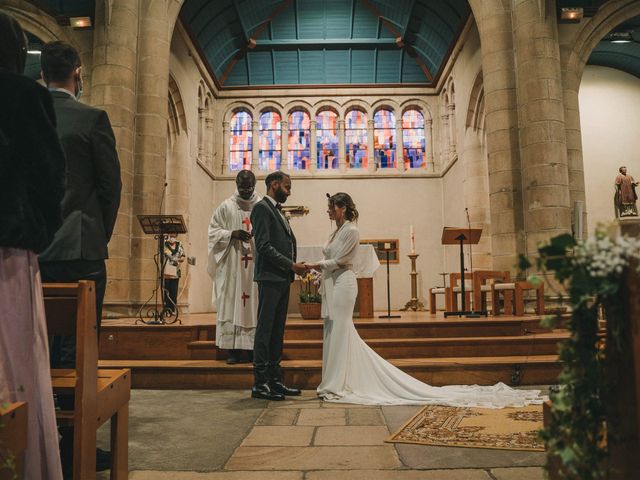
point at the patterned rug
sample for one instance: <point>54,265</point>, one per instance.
<point>506,428</point>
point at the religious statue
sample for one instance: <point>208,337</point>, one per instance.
<point>625,196</point>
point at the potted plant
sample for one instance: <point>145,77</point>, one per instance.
<point>310,299</point>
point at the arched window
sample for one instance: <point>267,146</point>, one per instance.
<point>270,141</point>
<point>355,133</point>
<point>299,136</point>
<point>413,139</point>
<point>384,132</point>
<point>240,141</point>
<point>327,139</point>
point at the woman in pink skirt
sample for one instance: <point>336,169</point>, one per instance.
<point>31,189</point>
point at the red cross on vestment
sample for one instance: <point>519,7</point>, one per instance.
<point>245,259</point>
<point>244,299</point>
<point>246,221</point>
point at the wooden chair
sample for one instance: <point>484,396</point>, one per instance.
<point>99,395</point>
<point>454,280</point>
<point>446,291</point>
<point>482,280</point>
<point>13,435</point>
<point>517,288</point>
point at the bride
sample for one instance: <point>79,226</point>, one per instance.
<point>351,371</point>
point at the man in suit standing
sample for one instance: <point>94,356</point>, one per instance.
<point>275,269</point>
<point>89,206</point>
<point>92,193</point>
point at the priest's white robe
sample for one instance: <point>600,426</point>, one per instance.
<point>231,267</point>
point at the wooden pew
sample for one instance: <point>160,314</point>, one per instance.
<point>99,395</point>
<point>13,436</point>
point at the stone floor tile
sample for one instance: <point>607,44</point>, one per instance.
<point>348,405</point>
<point>321,417</point>
<point>401,475</point>
<point>285,416</point>
<point>525,473</point>
<point>351,436</point>
<point>364,416</point>
<point>313,458</point>
<point>264,436</point>
<point>154,475</point>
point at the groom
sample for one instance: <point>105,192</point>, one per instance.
<point>275,269</point>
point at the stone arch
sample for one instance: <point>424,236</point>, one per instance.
<point>298,105</point>
<point>176,106</point>
<point>420,104</point>
<point>36,21</point>
<point>357,105</point>
<point>609,16</point>
<point>236,107</point>
<point>475,109</point>
<point>385,102</point>
<point>269,105</point>
<point>328,105</point>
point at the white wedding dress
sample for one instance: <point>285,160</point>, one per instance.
<point>353,373</point>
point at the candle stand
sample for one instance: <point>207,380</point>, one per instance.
<point>413,304</point>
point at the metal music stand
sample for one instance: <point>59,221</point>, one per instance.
<point>386,247</point>
<point>462,236</point>
<point>159,226</point>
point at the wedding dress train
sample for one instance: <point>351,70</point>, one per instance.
<point>353,373</point>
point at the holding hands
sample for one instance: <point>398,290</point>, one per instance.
<point>241,235</point>
<point>301,268</point>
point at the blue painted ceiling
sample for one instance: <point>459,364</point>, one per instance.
<point>289,42</point>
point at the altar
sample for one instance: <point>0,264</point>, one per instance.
<point>364,266</point>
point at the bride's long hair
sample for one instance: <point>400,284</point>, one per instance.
<point>342,199</point>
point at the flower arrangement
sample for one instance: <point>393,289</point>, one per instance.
<point>309,292</point>
<point>594,273</point>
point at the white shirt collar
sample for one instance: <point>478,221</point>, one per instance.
<point>272,200</point>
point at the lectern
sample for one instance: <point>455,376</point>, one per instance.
<point>159,226</point>
<point>462,237</point>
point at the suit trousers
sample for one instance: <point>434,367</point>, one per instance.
<point>273,303</point>
<point>63,349</point>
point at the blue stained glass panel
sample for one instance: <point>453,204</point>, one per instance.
<point>327,139</point>
<point>356,139</point>
<point>299,137</point>
<point>240,141</point>
<point>270,141</point>
<point>384,133</point>
<point>413,139</point>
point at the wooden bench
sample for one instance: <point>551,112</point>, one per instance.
<point>517,288</point>
<point>482,281</point>
<point>99,395</point>
<point>13,436</point>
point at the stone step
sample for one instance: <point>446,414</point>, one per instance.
<point>171,342</point>
<point>216,374</point>
<point>538,344</point>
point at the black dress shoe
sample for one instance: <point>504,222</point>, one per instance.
<point>231,360</point>
<point>281,388</point>
<point>266,393</point>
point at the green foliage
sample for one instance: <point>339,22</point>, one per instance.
<point>577,432</point>
<point>309,291</point>
<point>7,461</point>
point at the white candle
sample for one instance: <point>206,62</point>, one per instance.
<point>412,237</point>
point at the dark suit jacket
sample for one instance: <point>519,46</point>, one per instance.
<point>92,194</point>
<point>275,244</point>
<point>31,165</point>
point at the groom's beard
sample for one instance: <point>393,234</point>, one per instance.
<point>280,196</point>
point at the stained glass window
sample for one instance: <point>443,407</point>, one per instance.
<point>384,133</point>
<point>327,139</point>
<point>240,142</point>
<point>269,141</point>
<point>413,139</point>
<point>299,136</point>
<point>356,139</point>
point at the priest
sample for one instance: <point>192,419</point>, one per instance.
<point>230,265</point>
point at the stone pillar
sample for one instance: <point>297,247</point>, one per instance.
<point>451,114</point>
<point>313,146</point>
<point>226,136</point>
<point>444,153</point>
<point>342,154</point>
<point>255,148</point>
<point>155,28</point>
<point>505,193</point>
<point>284,142</point>
<point>543,146</point>
<point>429,156</point>
<point>371,146</point>
<point>399,146</point>
<point>113,88</point>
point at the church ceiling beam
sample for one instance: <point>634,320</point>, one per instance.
<point>292,44</point>
<point>245,31</point>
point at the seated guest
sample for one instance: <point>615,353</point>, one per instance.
<point>32,168</point>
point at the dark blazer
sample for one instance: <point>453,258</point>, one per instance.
<point>93,185</point>
<point>31,165</point>
<point>275,244</point>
